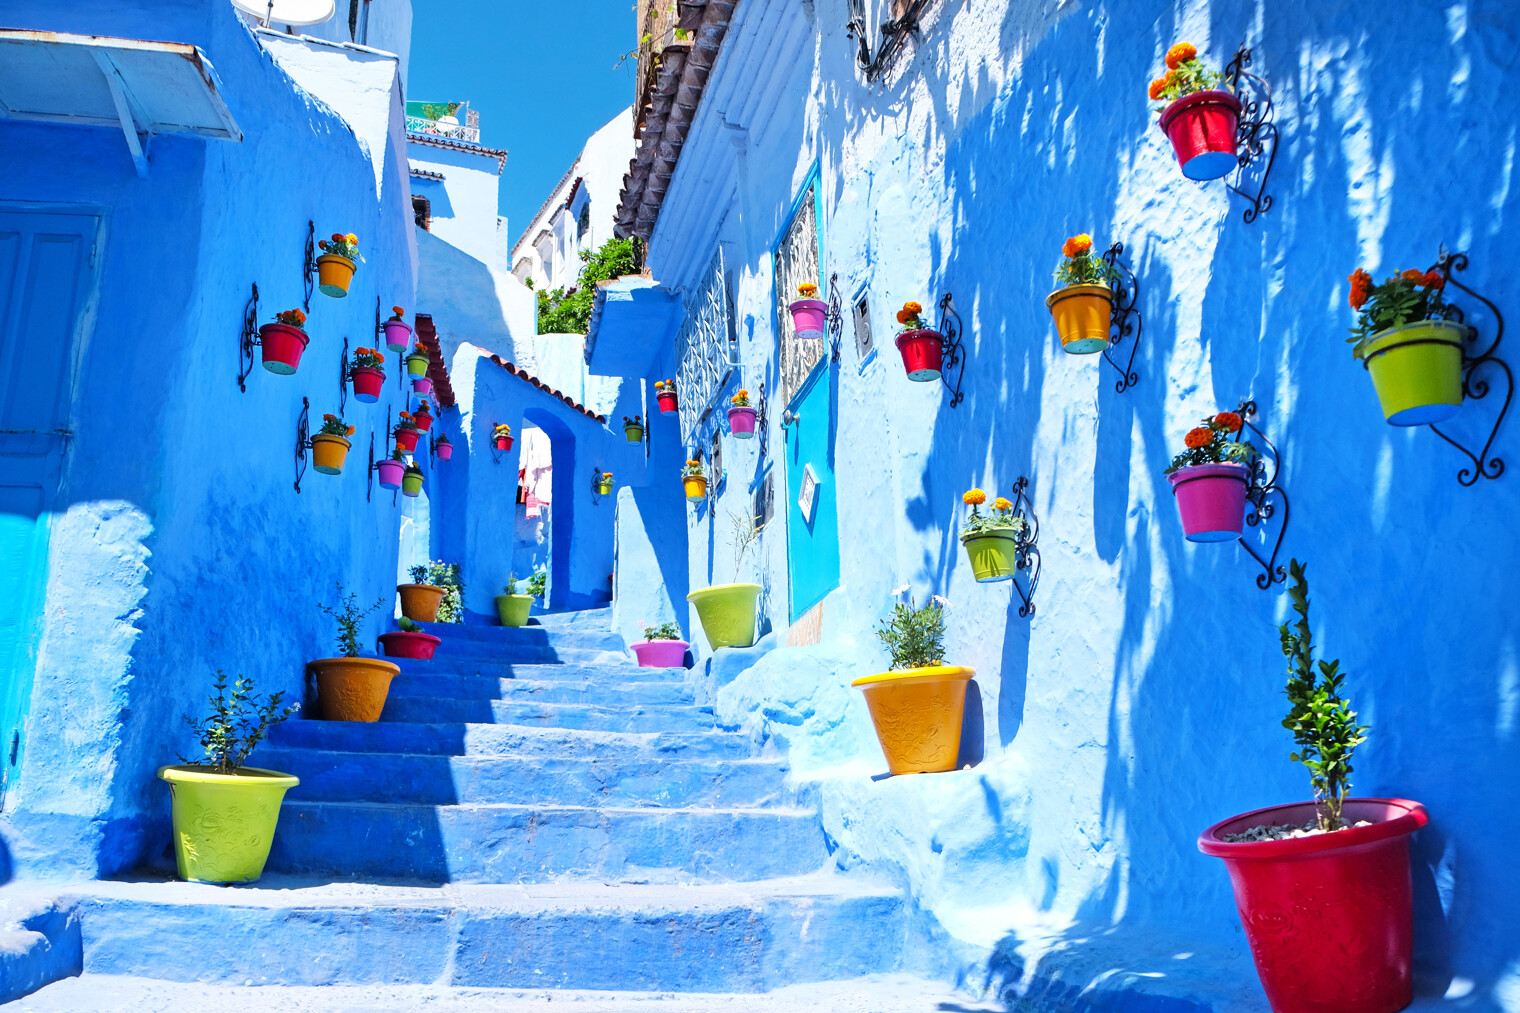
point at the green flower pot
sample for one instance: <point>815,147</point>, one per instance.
<point>635,434</point>
<point>411,483</point>
<point>993,554</point>
<point>727,612</point>
<point>416,365</point>
<point>224,823</point>
<point>1417,371</point>
<point>512,609</point>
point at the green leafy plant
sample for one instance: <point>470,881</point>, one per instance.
<point>342,246</point>
<point>1322,722</point>
<point>1215,442</point>
<point>538,584</point>
<point>1000,518</point>
<point>1081,268</point>
<point>407,626</point>
<point>1406,297</point>
<point>446,576</point>
<point>664,631</point>
<point>367,358</point>
<point>914,637</point>
<point>511,586</point>
<point>419,574</point>
<point>569,312</point>
<point>419,352</point>
<point>1185,74</point>
<point>349,615</point>
<point>693,469</point>
<point>333,425</point>
<point>237,724</point>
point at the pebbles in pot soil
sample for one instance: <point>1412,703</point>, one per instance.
<point>1283,831</point>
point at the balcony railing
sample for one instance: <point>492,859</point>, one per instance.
<point>457,131</point>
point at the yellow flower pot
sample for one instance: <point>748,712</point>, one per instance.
<point>224,823</point>
<point>352,689</point>
<point>1417,371</point>
<point>696,487</point>
<point>1082,314</point>
<point>917,714</point>
<point>727,612</point>
<point>328,452</point>
<point>333,274</point>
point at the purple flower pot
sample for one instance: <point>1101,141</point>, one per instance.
<point>1212,500</point>
<point>741,422</point>
<point>660,653</point>
<point>398,335</point>
<point>422,385</point>
<point>390,472</point>
<point>809,316</point>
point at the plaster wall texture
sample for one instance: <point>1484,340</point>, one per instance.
<point>1142,702</point>
<point>385,25</point>
<point>559,360</point>
<point>471,303</point>
<point>463,205</point>
<point>184,548</point>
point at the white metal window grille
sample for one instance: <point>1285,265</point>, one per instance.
<point>796,262</point>
<point>702,350</point>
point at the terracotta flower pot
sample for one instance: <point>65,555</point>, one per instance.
<point>352,689</point>
<point>660,653</point>
<point>741,422</point>
<point>917,713</point>
<point>403,644</point>
<point>696,486</point>
<point>391,472</point>
<point>1329,917</point>
<point>419,602</point>
<point>334,274</point>
<point>1212,500</point>
<point>1202,127</point>
<point>1082,314</point>
<point>994,555</point>
<point>406,439</point>
<point>224,823</point>
<point>667,400</point>
<point>445,451</point>
<point>328,453</point>
<point>368,383</point>
<point>922,352</point>
<point>1417,371</point>
<point>281,346</point>
<point>810,317</point>
<point>398,335</point>
<point>727,612</point>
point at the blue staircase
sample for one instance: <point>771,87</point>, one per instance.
<point>531,811</point>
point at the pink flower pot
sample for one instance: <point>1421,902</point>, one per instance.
<point>422,385</point>
<point>1212,500</point>
<point>282,346</point>
<point>741,422</point>
<point>398,335</point>
<point>1201,127</point>
<point>660,653</point>
<point>368,383</point>
<point>390,472</point>
<point>409,645</point>
<point>810,317</point>
<point>444,451</point>
<point>922,352</point>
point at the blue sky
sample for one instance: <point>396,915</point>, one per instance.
<point>540,74</point>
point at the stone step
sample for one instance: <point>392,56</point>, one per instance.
<point>592,717</point>
<point>616,692</point>
<point>473,843</point>
<point>608,671</point>
<point>503,740</point>
<point>731,937</point>
<point>107,993</point>
<point>509,637</point>
<point>331,776</point>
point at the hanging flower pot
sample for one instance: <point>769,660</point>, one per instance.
<point>411,482</point>
<point>224,823</point>
<point>406,432</point>
<point>604,484</point>
<point>809,315</point>
<point>1211,477</point>
<point>1083,306</point>
<point>727,613</point>
<point>352,688</point>
<point>283,341</point>
<point>409,644</point>
<point>503,443</point>
<point>992,539</point>
<point>398,335</point>
<point>922,350</point>
<point>501,435</point>
<point>391,469</point>
<point>694,480</point>
<point>633,429</point>
<point>665,394</point>
<point>423,418</point>
<point>741,416</point>
<point>335,268</point>
<point>1201,120</point>
<point>328,452</point>
<point>1413,354</point>
<point>367,374</point>
<point>443,448</point>
<point>417,363</point>
<point>422,385</point>
<point>662,647</point>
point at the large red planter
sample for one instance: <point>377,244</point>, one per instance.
<point>391,472</point>
<point>810,317</point>
<point>368,383</point>
<point>406,439</point>
<point>921,354</point>
<point>741,422</point>
<point>1201,127</point>
<point>1212,500</point>
<point>660,653</point>
<point>424,420</point>
<point>409,645</point>
<point>282,346</point>
<point>667,399</point>
<point>1329,917</point>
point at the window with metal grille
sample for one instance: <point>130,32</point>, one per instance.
<point>584,225</point>
<point>796,262</point>
<point>422,211</point>
<point>703,349</point>
<point>765,501</point>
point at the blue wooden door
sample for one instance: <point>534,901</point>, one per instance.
<point>46,270</point>
<point>812,517</point>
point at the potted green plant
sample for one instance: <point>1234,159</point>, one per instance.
<point>351,688</point>
<point>225,812</point>
<point>282,342</point>
<point>665,394</point>
<point>406,432</point>
<point>992,539</point>
<point>411,641</point>
<point>501,435</point>
<point>367,372</point>
<point>1406,343</point>
<point>538,584</point>
<point>392,469</point>
<point>1201,119</point>
<point>417,361</point>
<point>727,611</point>
<point>1211,477</point>
<point>921,347</point>
<point>633,429</point>
<point>662,646</point>
<point>694,479</point>
<point>741,415</point>
<point>917,704</point>
<point>420,599</point>
<point>336,266</point>
<point>398,332</point>
<point>1323,887</point>
<point>512,608</point>
<point>1082,304</point>
<point>809,315</point>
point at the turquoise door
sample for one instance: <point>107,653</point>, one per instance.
<point>812,516</point>
<point>46,270</point>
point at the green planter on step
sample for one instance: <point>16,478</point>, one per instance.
<point>512,609</point>
<point>727,612</point>
<point>224,823</point>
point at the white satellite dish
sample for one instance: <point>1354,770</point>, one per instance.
<point>288,12</point>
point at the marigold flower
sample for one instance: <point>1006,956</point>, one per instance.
<point>1001,504</point>
<point>1200,437</point>
<point>397,310</point>
<point>1179,54</point>
<point>1228,421</point>
<point>974,497</point>
<point>1361,288</point>
<point>903,316</point>
<point>606,474</point>
<point>337,237</point>
<point>405,415</point>
<point>913,307</point>
<point>328,418</point>
<point>353,239</point>
<point>322,245</point>
<point>1157,87</point>
<point>1077,245</point>
<point>1434,279</point>
<point>350,431</point>
<point>743,392</point>
<point>807,290</point>
<point>1418,277</point>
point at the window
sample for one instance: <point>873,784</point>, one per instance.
<point>583,226</point>
<point>796,261</point>
<point>702,350</point>
<point>422,211</point>
<point>715,459</point>
<point>765,500</point>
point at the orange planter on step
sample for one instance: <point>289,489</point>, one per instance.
<point>352,689</point>
<point>419,602</point>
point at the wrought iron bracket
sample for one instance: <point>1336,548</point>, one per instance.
<point>760,426</point>
<point>248,340</point>
<point>343,378</point>
<point>1255,134</point>
<point>596,486</point>
<point>834,319</point>
<point>309,270</point>
<point>952,351</point>
<point>1125,323</point>
<point>1263,488</point>
<point>369,475</point>
<point>303,441</point>
<point>1026,549</point>
<point>894,34</point>
<point>1476,388</point>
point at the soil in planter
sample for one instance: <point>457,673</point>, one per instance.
<point>1283,831</point>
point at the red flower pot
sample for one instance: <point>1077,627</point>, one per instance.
<point>282,346</point>
<point>391,472</point>
<point>406,439</point>
<point>444,451</point>
<point>409,645</point>
<point>1329,917</point>
<point>1201,127</point>
<point>368,383</point>
<point>667,399</point>
<point>921,354</point>
<point>1212,500</point>
<point>503,443</point>
<point>424,420</point>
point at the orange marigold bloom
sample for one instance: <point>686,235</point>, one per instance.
<point>974,497</point>
<point>807,290</point>
<point>1418,277</point>
<point>352,239</point>
<point>337,237</point>
<point>328,418</point>
<point>903,316</point>
<point>1361,288</point>
<point>1199,437</point>
<point>913,307</point>
<point>1228,421</point>
<point>1157,87</point>
<point>1435,279</point>
<point>1179,54</point>
<point>1001,504</point>
<point>1077,245</point>
<point>350,431</point>
<point>397,310</point>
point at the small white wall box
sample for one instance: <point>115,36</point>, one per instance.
<point>807,498</point>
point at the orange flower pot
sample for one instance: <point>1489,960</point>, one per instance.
<point>419,602</point>
<point>1082,314</point>
<point>696,487</point>
<point>917,713</point>
<point>328,452</point>
<point>333,275</point>
<point>352,689</point>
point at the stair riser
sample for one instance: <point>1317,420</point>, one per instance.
<point>443,710</point>
<point>451,844</point>
<point>501,740</point>
<point>616,692</point>
<point>722,949</point>
<point>511,637</point>
<point>606,672</point>
<point>439,780</point>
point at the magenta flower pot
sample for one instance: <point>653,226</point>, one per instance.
<point>368,383</point>
<point>809,316</point>
<point>660,653</point>
<point>422,385</point>
<point>282,346</point>
<point>1212,500</point>
<point>390,472</point>
<point>398,335</point>
<point>444,451</point>
<point>409,645</point>
<point>741,422</point>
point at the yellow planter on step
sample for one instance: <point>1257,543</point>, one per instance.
<point>224,823</point>
<point>1082,314</point>
<point>727,612</point>
<point>917,713</point>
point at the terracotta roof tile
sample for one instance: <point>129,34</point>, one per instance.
<point>523,374</point>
